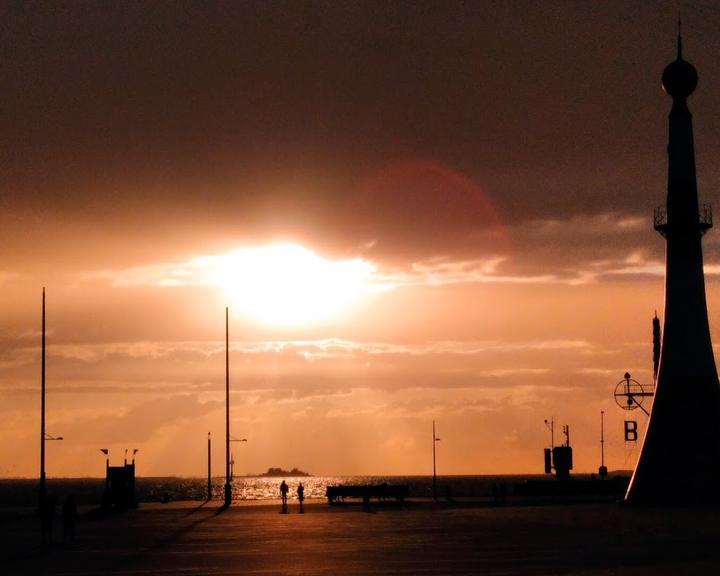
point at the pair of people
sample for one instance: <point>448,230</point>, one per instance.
<point>284,489</point>
<point>47,518</point>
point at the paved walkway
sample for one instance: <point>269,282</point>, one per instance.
<point>194,539</point>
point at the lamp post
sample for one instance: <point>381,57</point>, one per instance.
<point>435,440</point>
<point>41,489</point>
<point>209,466</point>
<point>602,437</point>
<point>232,458</point>
<point>551,426</point>
<point>228,485</point>
<point>107,460</point>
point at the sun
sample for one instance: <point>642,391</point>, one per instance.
<point>286,284</point>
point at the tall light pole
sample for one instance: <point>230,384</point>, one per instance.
<point>209,464</point>
<point>232,458</point>
<point>228,485</point>
<point>42,489</point>
<point>551,426</point>
<point>435,440</point>
<point>603,469</point>
<point>106,451</point>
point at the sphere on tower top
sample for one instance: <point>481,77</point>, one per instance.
<point>680,78</point>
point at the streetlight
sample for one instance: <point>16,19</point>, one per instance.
<point>435,440</point>
<point>209,460</point>
<point>551,426</point>
<point>228,485</point>
<point>41,489</point>
<point>42,492</point>
<point>603,469</point>
<point>232,458</point>
<point>46,438</point>
<point>106,451</point>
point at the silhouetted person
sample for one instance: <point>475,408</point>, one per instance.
<point>496,493</point>
<point>69,514</point>
<point>301,496</point>
<point>47,516</point>
<point>283,495</point>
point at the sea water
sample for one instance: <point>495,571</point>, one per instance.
<point>88,491</point>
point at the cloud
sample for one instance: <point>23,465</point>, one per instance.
<point>141,421</point>
<point>575,251</point>
<point>441,272</point>
<point>299,368</point>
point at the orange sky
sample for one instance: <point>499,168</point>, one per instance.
<point>493,179</point>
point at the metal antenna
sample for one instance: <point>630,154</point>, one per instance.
<point>679,43</point>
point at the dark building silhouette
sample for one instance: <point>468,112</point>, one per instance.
<point>680,458</point>
<point>120,487</point>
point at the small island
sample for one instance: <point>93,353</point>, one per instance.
<point>279,472</point>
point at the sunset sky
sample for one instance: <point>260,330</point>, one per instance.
<point>415,211</point>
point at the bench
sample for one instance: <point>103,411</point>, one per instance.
<point>397,492</point>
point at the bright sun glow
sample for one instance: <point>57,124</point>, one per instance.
<point>286,284</point>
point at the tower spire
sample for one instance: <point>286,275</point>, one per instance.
<point>679,461</point>
<point>679,38</point>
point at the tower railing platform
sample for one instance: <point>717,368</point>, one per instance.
<point>705,219</point>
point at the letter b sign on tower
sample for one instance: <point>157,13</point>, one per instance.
<point>631,431</point>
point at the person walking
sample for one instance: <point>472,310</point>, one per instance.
<point>283,496</point>
<point>301,497</point>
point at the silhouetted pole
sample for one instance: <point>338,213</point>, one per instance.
<point>228,486</point>
<point>209,493</point>
<point>107,464</point>
<point>42,489</point>
<point>232,457</point>
<point>657,340</point>
<point>435,439</point>
<point>551,426</point>
<point>602,438</point>
<point>603,469</point>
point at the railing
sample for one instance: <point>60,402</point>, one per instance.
<point>661,224</point>
<point>660,219</point>
<point>705,217</point>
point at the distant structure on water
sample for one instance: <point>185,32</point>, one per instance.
<point>680,458</point>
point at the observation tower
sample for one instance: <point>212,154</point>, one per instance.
<point>680,458</point>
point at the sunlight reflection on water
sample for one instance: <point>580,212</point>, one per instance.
<point>267,488</point>
<point>23,492</point>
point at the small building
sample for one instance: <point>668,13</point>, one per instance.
<point>119,491</point>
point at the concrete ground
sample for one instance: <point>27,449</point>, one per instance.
<point>421,538</point>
